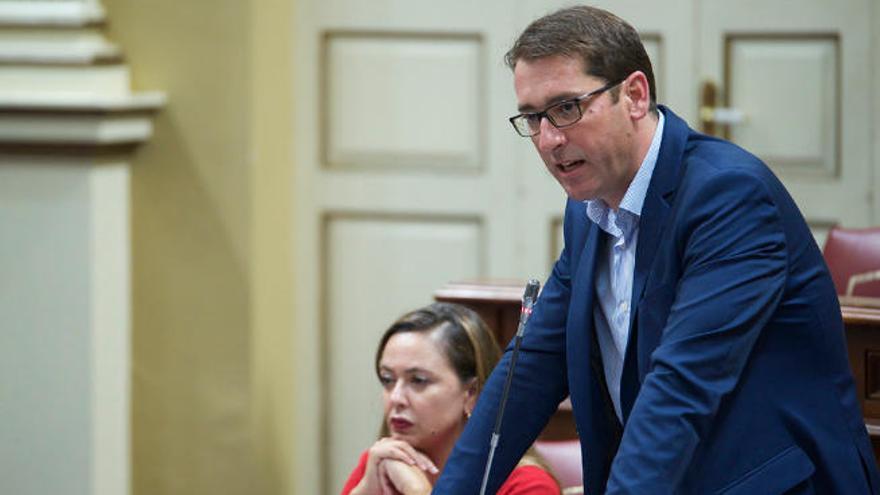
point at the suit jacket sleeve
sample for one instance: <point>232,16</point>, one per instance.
<point>733,266</point>
<point>539,385</point>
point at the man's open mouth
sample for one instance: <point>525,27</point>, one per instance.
<point>568,166</point>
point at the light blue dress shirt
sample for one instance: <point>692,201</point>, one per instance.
<point>614,276</point>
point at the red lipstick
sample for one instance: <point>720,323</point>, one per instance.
<point>399,424</point>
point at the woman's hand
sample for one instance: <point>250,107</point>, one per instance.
<point>404,479</point>
<point>394,450</point>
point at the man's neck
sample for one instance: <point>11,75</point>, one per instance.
<point>645,129</point>
<point>644,134</point>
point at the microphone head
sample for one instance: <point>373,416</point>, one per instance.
<point>531,292</point>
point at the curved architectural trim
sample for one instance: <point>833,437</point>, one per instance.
<point>55,122</point>
<point>75,102</point>
<point>51,13</point>
<point>81,51</point>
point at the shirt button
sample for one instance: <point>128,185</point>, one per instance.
<point>624,306</point>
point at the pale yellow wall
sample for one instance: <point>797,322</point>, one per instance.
<point>211,219</point>
<point>273,244</point>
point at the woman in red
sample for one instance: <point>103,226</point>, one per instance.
<point>432,363</point>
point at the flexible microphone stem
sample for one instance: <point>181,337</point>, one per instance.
<point>529,297</point>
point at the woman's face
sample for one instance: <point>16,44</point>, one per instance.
<point>425,402</point>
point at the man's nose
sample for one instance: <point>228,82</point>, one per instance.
<point>550,137</point>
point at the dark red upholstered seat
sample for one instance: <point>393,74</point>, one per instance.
<point>853,257</point>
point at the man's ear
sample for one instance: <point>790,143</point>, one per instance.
<point>637,92</point>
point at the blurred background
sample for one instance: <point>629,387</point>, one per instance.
<point>211,209</point>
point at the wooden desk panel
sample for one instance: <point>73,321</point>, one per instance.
<point>498,302</point>
<point>861,317</point>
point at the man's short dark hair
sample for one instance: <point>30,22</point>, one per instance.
<point>609,47</point>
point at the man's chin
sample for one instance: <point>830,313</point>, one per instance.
<point>577,191</point>
<point>580,195</point>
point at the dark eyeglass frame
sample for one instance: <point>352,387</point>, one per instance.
<point>577,101</point>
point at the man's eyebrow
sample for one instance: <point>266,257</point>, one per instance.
<point>552,101</point>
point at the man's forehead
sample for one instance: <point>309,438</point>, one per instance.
<point>543,81</point>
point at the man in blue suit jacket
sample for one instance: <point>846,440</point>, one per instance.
<point>690,316</point>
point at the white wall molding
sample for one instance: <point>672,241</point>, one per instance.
<point>65,47</point>
<point>69,13</point>
<point>69,121</point>
<point>44,32</point>
<point>77,119</point>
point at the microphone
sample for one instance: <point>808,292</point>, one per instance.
<point>528,302</point>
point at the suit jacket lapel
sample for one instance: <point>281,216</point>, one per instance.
<point>580,321</point>
<point>663,183</point>
<point>651,224</point>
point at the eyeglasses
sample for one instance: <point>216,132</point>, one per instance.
<point>562,114</point>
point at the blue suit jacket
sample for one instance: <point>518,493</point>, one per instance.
<point>736,377</point>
